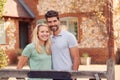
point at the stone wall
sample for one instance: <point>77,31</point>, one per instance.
<point>10,29</point>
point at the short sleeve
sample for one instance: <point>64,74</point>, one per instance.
<point>27,51</point>
<point>72,41</point>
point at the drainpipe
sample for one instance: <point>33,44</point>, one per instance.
<point>26,8</point>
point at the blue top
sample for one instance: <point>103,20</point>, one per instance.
<point>60,50</point>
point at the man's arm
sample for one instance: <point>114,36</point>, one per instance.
<point>75,57</point>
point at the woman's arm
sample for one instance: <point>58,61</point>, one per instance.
<point>22,62</point>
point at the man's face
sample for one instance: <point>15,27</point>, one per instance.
<point>53,23</point>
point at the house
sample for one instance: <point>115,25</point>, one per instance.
<point>21,16</point>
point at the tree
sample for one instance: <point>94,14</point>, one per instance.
<point>2,2</point>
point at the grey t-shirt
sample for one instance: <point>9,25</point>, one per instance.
<point>60,50</point>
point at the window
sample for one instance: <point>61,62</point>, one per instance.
<point>71,23</point>
<point>2,32</point>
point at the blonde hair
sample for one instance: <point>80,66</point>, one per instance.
<point>36,40</point>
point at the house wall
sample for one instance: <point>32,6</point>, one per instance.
<point>12,40</point>
<point>92,32</point>
<point>11,46</point>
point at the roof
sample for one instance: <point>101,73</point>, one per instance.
<point>17,8</point>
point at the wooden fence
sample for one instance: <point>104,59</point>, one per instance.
<point>25,73</point>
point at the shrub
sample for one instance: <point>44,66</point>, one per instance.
<point>3,59</point>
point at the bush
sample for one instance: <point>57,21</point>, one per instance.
<point>3,59</point>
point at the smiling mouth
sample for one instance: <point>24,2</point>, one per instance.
<point>53,28</point>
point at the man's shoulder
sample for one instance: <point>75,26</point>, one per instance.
<point>68,33</point>
<point>65,32</point>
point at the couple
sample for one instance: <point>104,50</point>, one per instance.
<point>60,52</point>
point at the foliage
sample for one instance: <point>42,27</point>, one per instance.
<point>85,54</point>
<point>3,59</point>
<point>2,2</point>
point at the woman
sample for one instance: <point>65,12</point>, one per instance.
<point>37,53</point>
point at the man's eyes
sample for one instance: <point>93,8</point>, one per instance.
<point>55,21</point>
<point>52,21</point>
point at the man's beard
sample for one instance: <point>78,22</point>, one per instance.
<point>54,28</point>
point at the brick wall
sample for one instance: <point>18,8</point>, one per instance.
<point>98,55</point>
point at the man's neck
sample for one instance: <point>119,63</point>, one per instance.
<point>57,32</point>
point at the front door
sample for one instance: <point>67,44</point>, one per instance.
<point>23,34</point>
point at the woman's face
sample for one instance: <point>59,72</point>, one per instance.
<point>43,33</point>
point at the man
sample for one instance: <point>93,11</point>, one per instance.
<point>65,52</point>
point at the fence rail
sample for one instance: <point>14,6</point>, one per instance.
<point>109,74</point>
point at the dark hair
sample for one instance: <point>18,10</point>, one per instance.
<point>51,13</point>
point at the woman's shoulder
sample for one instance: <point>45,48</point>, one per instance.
<point>30,45</point>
